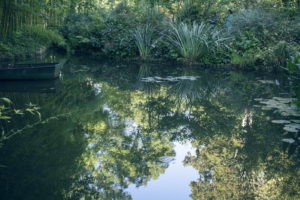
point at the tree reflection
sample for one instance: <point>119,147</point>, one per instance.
<point>94,151</point>
<point>115,129</point>
<point>245,165</point>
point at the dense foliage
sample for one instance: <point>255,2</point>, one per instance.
<point>259,33</point>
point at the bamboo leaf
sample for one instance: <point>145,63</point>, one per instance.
<point>7,100</point>
<point>5,117</point>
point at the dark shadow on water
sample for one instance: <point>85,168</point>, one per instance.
<point>40,86</point>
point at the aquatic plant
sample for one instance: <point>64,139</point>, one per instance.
<point>144,40</point>
<point>194,41</point>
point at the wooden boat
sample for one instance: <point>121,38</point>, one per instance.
<point>30,71</point>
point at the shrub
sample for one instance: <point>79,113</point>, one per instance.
<point>149,14</point>
<point>43,36</point>
<point>293,64</point>
<point>253,20</point>
<point>266,26</point>
<point>257,33</point>
<point>116,37</point>
<point>245,48</point>
<point>83,32</point>
<point>189,12</point>
<point>281,52</point>
<point>290,30</point>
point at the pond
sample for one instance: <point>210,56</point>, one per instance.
<point>128,131</point>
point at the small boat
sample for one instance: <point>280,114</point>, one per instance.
<point>30,71</point>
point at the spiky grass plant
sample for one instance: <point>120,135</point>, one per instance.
<point>194,41</point>
<point>144,36</point>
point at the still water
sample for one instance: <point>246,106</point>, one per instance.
<point>149,132</point>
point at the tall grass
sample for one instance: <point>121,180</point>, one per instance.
<point>144,36</point>
<point>194,41</point>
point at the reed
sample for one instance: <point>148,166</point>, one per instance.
<point>144,36</point>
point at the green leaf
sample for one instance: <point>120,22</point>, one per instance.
<point>39,115</point>
<point>30,110</point>
<point>7,100</point>
<point>291,66</point>
<point>5,117</point>
<point>18,112</point>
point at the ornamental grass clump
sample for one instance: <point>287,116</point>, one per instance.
<point>194,42</point>
<point>144,37</point>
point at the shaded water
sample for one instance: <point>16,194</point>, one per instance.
<point>109,131</point>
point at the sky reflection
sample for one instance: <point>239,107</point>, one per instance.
<point>174,183</point>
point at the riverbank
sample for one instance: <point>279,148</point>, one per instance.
<point>259,37</point>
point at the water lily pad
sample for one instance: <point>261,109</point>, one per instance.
<point>284,100</point>
<point>281,105</point>
<point>288,140</point>
<point>281,121</point>
<point>191,78</point>
<point>148,79</point>
<point>290,113</point>
<point>259,99</point>
<point>267,81</point>
<point>158,79</point>
<point>266,108</point>
<point>284,114</point>
<point>292,128</point>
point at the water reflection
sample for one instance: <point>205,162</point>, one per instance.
<point>42,86</point>
<point>174,183</point>
<point>112,128</point>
